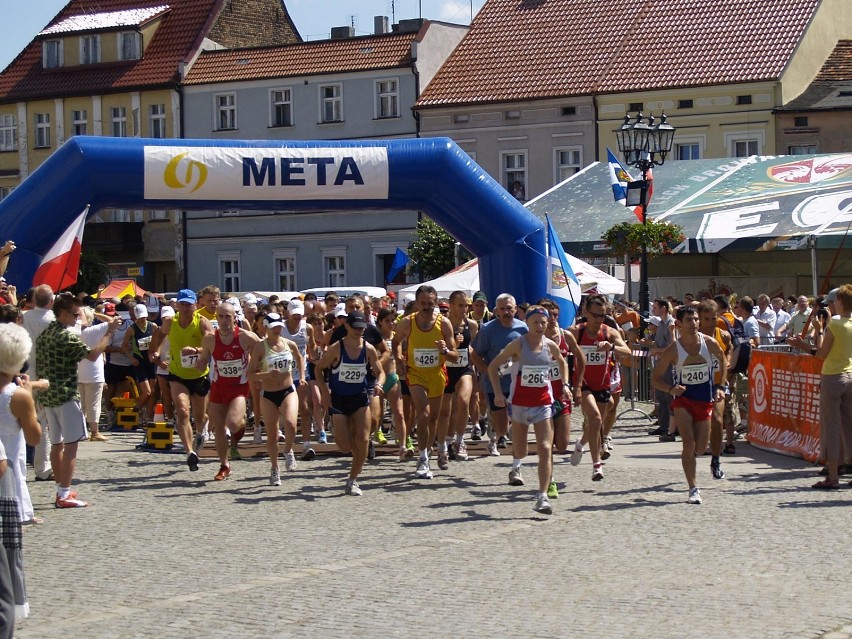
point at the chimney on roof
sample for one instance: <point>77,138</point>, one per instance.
<point>409,26</point>
<point>381,25</point>
<point>341,33</point>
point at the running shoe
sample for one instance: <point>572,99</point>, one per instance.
<point>223,474</point>
<point>501,443</point>
<point>371,450</point>
<point>405,454</point>
<point>694,496</point>
<point>290,462</point>
<point>716,469</point>
<point>668,437</point>
<point>597,473</point>
<point>409,443</point>
<point>423,471</point>
<point>308,454</point>
<point>492,449</point>
<point>323,438</point>
<point>461,450</point>
<point>605,454</point>
<point>608,442</point>
<point>577,455</point>
<point>192,461</point>
<point>274,477</point>
<point>198,442</point>
<point>552,491</point>
<point>443,460</point>
<point>235,454</point>
<point>352,488</point>
<point>70,502</point>
<point>476,433</point>
<point>258,436</point>
<point>542,505</point>
<point>379,437</point>
<point>515,478</point>
<point>451,451</point>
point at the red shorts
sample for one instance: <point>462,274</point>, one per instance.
<point>700,411</point>
<point>226,393</point>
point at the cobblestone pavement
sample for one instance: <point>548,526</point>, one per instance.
<point>163,552</point>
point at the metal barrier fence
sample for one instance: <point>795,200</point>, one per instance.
<point>636,380</point>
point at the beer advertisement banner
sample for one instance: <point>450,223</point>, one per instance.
<point>784,403</point>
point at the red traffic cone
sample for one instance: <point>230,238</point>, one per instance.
<point>159,415</point>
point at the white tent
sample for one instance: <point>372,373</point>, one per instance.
<point>466,278</point>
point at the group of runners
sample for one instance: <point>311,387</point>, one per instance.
<point>436,369</point>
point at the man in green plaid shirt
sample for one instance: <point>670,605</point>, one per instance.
<point>58,351</point>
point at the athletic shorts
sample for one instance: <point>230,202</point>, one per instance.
<point>434,380</point>
<point>310,371</point>
<point>116,374</point>
<point>391,380</point>
<point>491,403</point>
<point>277,397</point>
<point>601,396</point>
<point>530,415</point>
<point>403,386</point>
<point>560,407</point>
<point>348,404</point>
<point>226,393</point>
<point>699,411</point>
<point>453,377</point>
<point>66,424</point>
<point>145,371</point>
<point>199,386</point>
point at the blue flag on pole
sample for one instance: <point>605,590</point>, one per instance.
<point>400,259</point>
<point>562,284</point>
<point>619,177</point>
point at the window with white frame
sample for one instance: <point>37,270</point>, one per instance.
<point>285,269</point>
<point>51,54</point>
<point>119,122</point>
<point>744,148</point>
<point>514,169</point>
<point>569,160</point>
<point>90,49</point>
<point>129,45</point>
<point>42,130</point>
<point>8,132</point>
<point>331,103</point>
<point>229,271</point>
<point>281,111</point>
<point>159,215</point>
<point>387,98</point>
<point>334,266</point>
<point>744,144</point>
<point>5,191</point>
<point>80,122</point>
<point>802,149</point>
<point>226,111</point>
<point>120,215</point>
<point>157,120</point>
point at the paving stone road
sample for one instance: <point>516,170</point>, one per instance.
<point>163,552</point>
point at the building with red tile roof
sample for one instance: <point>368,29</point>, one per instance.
<point>116,67</point>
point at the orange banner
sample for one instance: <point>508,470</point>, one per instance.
<point>783,412</point>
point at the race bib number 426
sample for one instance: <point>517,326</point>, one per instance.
<point>426,357</point>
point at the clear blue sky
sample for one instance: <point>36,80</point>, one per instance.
<point>22,19</point>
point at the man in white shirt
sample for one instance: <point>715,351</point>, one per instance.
<point>782,318</point>
<point>35,321</point>
<point>765,317</point>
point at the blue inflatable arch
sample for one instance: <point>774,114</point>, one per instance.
<point>431,175</point>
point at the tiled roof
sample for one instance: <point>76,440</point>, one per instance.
<point>24,78</point>
<point>838,66</point>
<point>307,58</point>
<point>104,20</point>
<point>528,49</point>
<point>832,86</point>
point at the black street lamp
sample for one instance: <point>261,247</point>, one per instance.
<point>644,145</point>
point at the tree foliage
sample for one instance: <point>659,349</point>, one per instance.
<point>628,238</point>
<point>94,271</point>
<point>433,251</point>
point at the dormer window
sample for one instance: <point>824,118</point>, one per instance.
<point>51,52</point>
<point>90,49</point>
<point>129,45</point>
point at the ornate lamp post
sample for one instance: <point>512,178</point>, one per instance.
<point>644,145</point>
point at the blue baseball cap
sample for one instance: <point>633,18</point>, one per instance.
<point>187,295</point>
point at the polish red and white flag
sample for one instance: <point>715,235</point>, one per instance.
<point>61,264</point>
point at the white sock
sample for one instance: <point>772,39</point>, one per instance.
<point>64,493</point>
<point>460,438</point>
<point>516,464</point>
<point>442,447</point>
<point>424,454</point>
